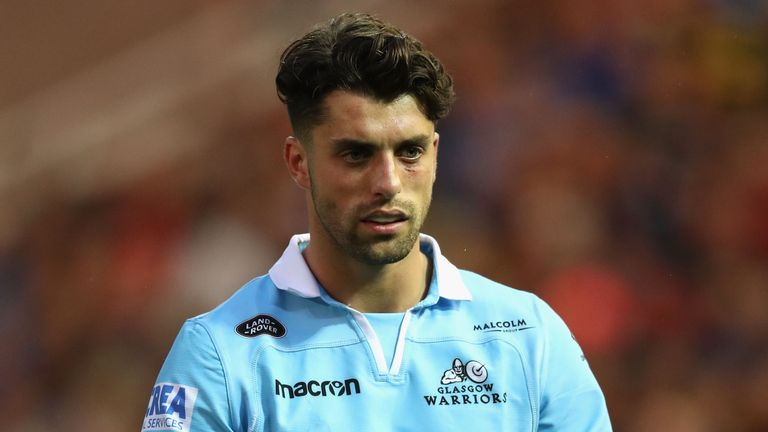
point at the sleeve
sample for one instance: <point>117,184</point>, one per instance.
<point>190,394</point>
<point>571,399</point>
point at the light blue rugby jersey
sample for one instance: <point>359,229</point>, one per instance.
<point>281,355</point>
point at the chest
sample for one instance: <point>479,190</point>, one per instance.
<point>439,384</point>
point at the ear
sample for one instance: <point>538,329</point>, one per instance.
<point>295,156</point>
<point>435,145</point>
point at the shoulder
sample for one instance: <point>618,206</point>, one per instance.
<point>486,290</point>
<point>495,300</point>
<point>260,315</point>
<point>258,296</point>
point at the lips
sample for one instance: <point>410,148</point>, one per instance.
<point>385,222</point>
<point>385,217</point>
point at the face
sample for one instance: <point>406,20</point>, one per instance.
<point>370,170</point>
<point>458,367</point>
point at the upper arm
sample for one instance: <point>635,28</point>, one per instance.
<point>571,399</point>
<point>191,392</point>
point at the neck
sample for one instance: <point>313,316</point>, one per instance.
<point>365,287</point>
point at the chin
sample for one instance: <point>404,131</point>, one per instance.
<point>381,259</point>
<point>388,251</point>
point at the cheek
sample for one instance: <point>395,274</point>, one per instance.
<point>330,182</point>
<point>421,178</point>
<point>336,196</point>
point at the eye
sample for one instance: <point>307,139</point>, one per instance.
<point>411,153</point>
<point>355,155</point>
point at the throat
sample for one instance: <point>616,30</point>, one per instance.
<point>394,287</point>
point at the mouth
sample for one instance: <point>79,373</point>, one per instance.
<point>385,217</point>
<point>385,222</point>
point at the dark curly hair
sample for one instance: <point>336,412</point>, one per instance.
<point>359,53</point>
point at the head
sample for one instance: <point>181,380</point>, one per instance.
<point>361,54</point>
<point>364,98</point>
<point>458,367</point>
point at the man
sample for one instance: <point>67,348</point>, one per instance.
<point>362,324</point>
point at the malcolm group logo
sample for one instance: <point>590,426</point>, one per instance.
<point>170,408</point>
<point>317,388</point>
<point>503,326</point>
<point>465,384</point>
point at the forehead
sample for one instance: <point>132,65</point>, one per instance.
<point>352,115</point>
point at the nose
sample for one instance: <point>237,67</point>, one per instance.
<point>385,176</point>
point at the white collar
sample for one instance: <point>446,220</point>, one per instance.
<point>291,273</point>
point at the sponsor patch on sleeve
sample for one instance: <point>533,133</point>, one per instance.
<point>170,408</point>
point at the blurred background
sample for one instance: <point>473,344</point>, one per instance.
<point>608,155</point>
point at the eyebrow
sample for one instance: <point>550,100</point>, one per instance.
<point>342,143</point>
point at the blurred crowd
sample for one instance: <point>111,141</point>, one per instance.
<point>609,156</point>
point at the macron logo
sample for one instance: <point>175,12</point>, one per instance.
<point>317,388</point>
<point>170,407</point>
